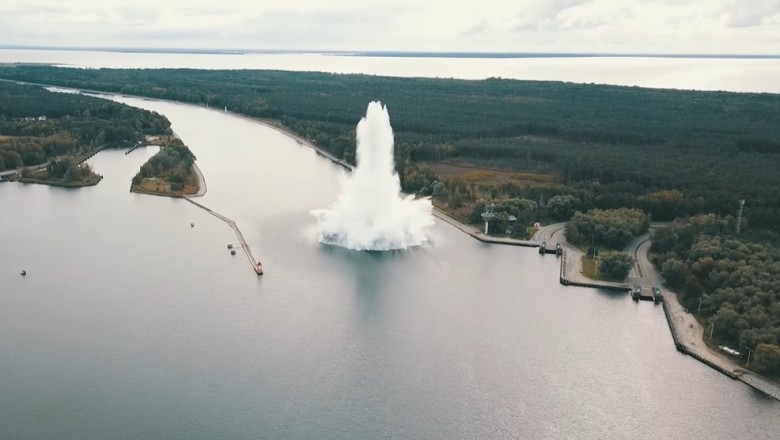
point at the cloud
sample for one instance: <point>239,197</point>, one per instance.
<point>740,26</point>
<point>316,29</point>
<point>750,13</point>
<point>170,35</point>
<point>476,29</point>
<point>138,15</point>
<point>537,13</point>
<point>25,10</point>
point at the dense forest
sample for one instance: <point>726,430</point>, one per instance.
<point>668,152</point>
<point>611,228</point>
<point>37,125</point>
<point>730,281</point>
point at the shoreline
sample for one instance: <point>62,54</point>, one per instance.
<point>55,183</point>
<point>201,182</point>
<point>684,342</point>
<point>688,337</point>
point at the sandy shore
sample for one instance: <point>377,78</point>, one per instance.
<point>201,182</point>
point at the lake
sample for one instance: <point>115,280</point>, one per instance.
<point>730,74</point>
<point>132,324</point>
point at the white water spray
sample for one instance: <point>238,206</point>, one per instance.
<point>370,213</point>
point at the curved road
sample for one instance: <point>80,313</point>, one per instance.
<point>551,233</point>
<point>643,271</point>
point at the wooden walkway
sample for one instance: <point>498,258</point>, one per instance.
<point>256,266</point>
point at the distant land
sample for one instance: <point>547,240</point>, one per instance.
<point>389,54</point>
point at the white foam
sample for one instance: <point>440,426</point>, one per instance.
<point>370,213</point>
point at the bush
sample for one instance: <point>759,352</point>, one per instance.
<point>616,266</point>
<point>767,359</point>
<point>562,207</point>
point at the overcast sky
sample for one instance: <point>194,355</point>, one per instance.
<point>645,26</point>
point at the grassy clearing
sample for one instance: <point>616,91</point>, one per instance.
<point>589,268</point>
<point>491,176</point>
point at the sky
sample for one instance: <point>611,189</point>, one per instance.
<point>571,26</point>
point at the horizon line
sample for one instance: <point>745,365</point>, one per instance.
<point>386,53</point>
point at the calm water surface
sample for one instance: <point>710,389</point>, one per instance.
<point>737,75</point>
<point>132,324</point>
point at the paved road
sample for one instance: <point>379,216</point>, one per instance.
<point>643,271</point>
<point>552,233</point>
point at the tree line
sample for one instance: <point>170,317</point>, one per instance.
<point>667,152</point>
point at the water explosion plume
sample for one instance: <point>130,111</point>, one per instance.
<point>370,213</point>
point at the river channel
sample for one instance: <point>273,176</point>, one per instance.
<point>132,324</point>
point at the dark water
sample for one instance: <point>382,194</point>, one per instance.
<point>132,324</point>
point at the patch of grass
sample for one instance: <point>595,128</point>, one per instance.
<point>589,269</point>
<point>491,176</point>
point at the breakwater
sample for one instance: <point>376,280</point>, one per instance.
<point>256,265</point>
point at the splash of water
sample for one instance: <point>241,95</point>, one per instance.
<point>370,213</point>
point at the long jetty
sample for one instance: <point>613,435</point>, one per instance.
<point>256,266</point>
